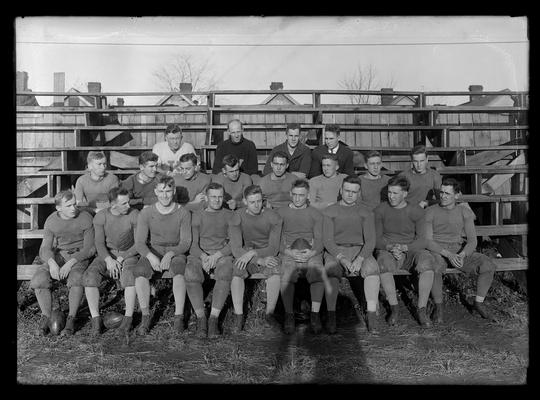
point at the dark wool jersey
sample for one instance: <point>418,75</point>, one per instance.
<point>323,191</point>
<point>400,225</point>
<point>186,190</point>
<point>140,194</point>
<point>449,225</point>
<point>348,225</point>
<point>277,192</point>
<point>299,160</point>
<point>171,230</point>
<point>215,230</point>
<point>373,191</point>
<point>260,232</point>
<point>67,234</point>
<point>301,223</point>
<point>245,150</point>
<point>421,184</point>
<point>344,156</point>
<point>233,190</point>
<point>89,191</point>
<point>115,232</point>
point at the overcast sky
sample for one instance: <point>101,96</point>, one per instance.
<point>416,53</point>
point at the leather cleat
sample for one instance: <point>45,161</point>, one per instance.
<point>237,324</point>
<point>96,326</point>
<point>371,321</point>
<point>43,328</point>
<point>315,322</point>
<point>331,322</point>
<point>144,326</point>
<point>423,318</point>
<point>178,325</point>
<point>484,313</point>
<point>202,327</point>
<point>393,316</point>
<point>288,324</point>
<point>213,331</point>
<point>271,322</point>
<point>124,327</point>
<point>437,315</point>
<point>69,329</point>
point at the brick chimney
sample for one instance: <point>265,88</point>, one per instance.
<point>476,89</point>
<point>186,88</point>
<point>59,85</point>
<point>120,102</point>
<point>276,86</point>
<point>22,81</point>
<point>387,99</point>
<point>95,87</point>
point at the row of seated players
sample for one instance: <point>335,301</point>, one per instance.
<point>348,237</point>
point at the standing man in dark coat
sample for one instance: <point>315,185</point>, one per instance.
<point>244,149</point>
<point>332,145</point>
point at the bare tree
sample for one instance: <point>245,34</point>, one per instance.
<point>364,78</point>
<point>184,67</point>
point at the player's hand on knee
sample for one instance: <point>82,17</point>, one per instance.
<point>166,261</point>
<point>154,262</point>
<point>243,261</point>
<point>66,268</point>
<point>54,269</point>
<point>113,266</point>
<point>271,262</point>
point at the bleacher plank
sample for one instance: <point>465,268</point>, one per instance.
<point>25,272</point>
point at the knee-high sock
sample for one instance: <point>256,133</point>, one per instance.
<point>44,298</point>
<point>436,289</point>
<point>221,291</point>
<point>316,290</point>
<point>272,293</point>
<point>142,287</point>
<point>75,297</point>
<point>195,294</point>
<point>371,291</point>
<point>237,293</point>
<point>92,298</point>
<point>389,286</point>
<point>179,292</point>
<point>483,283</point>
<point>130,295</point>
<point>425,282</point>
<point>331,298</point>
<point>287,296</point>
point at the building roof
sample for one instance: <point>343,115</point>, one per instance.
<point>280,98</point>
<point>84,99</point>
<point>403,101</point>
<point>482,100</point>
<point>173,98</point>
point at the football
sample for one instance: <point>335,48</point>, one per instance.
<point>57,322</point>
<point>112,319</point>
<point>300,244</point>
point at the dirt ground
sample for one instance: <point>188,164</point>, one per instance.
<point>464,350</point>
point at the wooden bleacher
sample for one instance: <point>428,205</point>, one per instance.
<point>495,138</point>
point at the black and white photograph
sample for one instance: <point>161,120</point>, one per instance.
<point>272,200</point>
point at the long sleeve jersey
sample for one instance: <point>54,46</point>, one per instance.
<point>67,234</point>
<point>171,230</point>
<point>373,191</point>
<point>348,225</point>
<point>261,233</point>
<point>115,232</point>
<point>277,192</point>
<point>324,191</point>
<point>140,193</point>
<point>301,223</point>
<point>422,185</point>
<point>88,192</point>
<point>215,230</point>
<point>299,160</point>
<point>187,189</point>
<point>233,190</point>
<point>400,225</point>
<point>245,151</point>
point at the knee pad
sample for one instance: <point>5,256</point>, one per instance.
<point>41,280</point>
<point>313,275</point>
<point>333,269</point>
<point>224,269</point>
<point>178,265</point>
<point>127,278</point>
<point>386,262</point>
<point>369,267</point>
<point>91,278</point>
<point>75,278</point>
<point>424,262</point>
<point>143,269</point>
<point>193,272</point>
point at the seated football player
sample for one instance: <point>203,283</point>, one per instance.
<point>276,186</point>
<point>324,189</point>
<point>141,185</point>
<point>401,244</point>
<point>66,250</point>
<point>446,226</point>
<point>214,236</point>
<point>349,240</point>
<point>91,188</point>
<point>116,257</point>
<point>260,229</point>
<point>301,221</point>
<point>162,239</point>
<point>190,183</point>
<point>233,181</point>
<point>373,182</point>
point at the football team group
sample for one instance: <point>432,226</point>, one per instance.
<point>309,215</point>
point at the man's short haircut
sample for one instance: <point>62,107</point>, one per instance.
<point>237,121</point>
<point>95,155</point>
<point>329,156</point>
<point>189,157</point>
<point>229,159</point>
<point>373,153</point>
<point>418,149</point>
<point>173,128</point>
<point>292,126</point>
<point>280,154</point>
<point>113,194</point>
<point>214,186</point>
<point>452,182</point>
<point>300,183</point>
<point>400,181</point>
<point>147,156</point>
<point>351,179</point>
<point>166,180</point>
<point>63,195</point>
<point>252,189</point>
<point>332,128</point>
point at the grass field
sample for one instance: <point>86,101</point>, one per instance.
<point>464,350</point>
